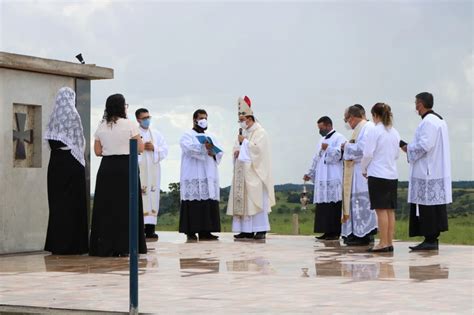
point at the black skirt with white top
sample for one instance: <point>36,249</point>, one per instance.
<point>382,193</point>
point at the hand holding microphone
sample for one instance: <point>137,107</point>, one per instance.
<point>241,138</point>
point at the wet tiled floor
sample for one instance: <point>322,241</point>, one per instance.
<point>285,274</point>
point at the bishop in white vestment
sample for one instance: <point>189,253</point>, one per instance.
<point>252,194</point>
<point>359,221</point>
<point>199,181</point>
<point>429,188</point>
<point>156,150</point>
<point>326,172</point>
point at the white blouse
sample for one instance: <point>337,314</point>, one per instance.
<point>381,152</point>
<point>114,137</point>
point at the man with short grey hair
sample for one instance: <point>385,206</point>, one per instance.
<point>359,221</point>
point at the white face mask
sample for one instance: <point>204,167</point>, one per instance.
<point>243,124</point>
<point>348,127</point>
<point>202,123</point>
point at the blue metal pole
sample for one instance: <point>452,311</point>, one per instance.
<point>133,225</point>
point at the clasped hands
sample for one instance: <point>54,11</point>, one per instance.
<point>149,146</point>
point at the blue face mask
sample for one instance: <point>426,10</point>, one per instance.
<point>145,123</point>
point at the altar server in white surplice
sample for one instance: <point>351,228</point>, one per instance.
<point>326,172</point>
<point>359,221</point>
<point>252,195</point>
<point>199,181</point>
<point>429,190</point>
<point>156,150</point>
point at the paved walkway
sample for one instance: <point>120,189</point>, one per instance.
<point>286,274</point>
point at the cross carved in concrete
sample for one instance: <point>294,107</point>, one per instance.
<point>22,136</point>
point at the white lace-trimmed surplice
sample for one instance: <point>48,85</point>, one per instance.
<point>430,163</point>
<point>150,173</point>
<point>326,170</point>
<point>199,178</point>
<point>362,219</point>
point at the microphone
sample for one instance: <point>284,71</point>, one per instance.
<point>240,133</point>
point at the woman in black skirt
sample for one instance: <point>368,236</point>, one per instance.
<point>110,216</point>
<point>379,164</point>
<point>67,225</point>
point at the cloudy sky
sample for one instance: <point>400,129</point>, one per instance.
<point>297,61</point>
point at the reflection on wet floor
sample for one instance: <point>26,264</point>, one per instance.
<point>173,272</point>
<point>355,271</point>
<point>198,266</point>
<point>259,265</point>
<point>334,260</point>
<point>429,272</point>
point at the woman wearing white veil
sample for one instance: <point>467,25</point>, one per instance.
<point>67,224</point>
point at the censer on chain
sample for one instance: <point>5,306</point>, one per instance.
<point>304,200</point>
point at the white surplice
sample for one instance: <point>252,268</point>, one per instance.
<point>430,163</point>
<point>326,169</point>
<point>362,220</point>
<point>199,178</point>
<point>150,173</point>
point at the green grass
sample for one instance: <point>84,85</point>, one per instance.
<point>461,228</point>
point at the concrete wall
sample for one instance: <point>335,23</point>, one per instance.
<point>23,191</point>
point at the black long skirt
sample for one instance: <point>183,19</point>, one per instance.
<point>67,225</point>
<point>110,217</point>
<point>197,216</point>
<point>327,218</point>
<point>432,220</point>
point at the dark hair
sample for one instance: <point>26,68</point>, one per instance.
<point>140,111</point>
<point>199,111</point>
<point>114,108</point>
<point>384,112</point>
<point>426,99</point>
<point>325,120</point>
<point>361,108</point>
<point>354,111</point>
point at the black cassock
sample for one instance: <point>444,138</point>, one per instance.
<point>199,216</point>
<point>67,225</point>
<point>327,218</point>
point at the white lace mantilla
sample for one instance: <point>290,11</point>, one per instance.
<point>428,191</point>
<point>199,189</point>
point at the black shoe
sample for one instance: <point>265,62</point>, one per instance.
<point>191,237</point>
<point>207,237</point>
<point>425,246</point>
<point>321,237</point>
<point>260,236</point>
<point>243,235</point>
<point>357,242</point>
<point>387,249</point>
<point>332,237</point>
<point>152,237</point>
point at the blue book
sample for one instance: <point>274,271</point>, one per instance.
<point>203,139</point>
